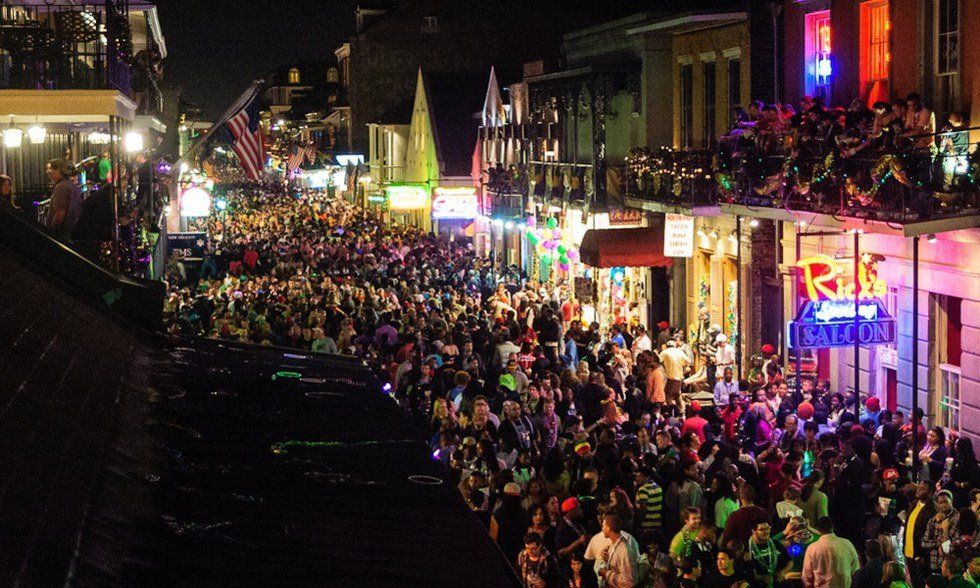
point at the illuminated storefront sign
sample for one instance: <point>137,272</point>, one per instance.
<point>839,312</point>
<point>458,203</point>
<point>407,197</point>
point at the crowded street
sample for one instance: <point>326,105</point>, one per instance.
<point>550,294</point>
<point>567,440</point>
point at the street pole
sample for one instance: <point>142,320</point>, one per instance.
<point>738,294</point>
<point>796,297</point>
<point>857,325</point>
<point>915,356</point>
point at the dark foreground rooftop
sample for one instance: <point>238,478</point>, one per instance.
<point>129,460</point>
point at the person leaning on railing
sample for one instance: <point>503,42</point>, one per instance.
<point>7,194</point>
<point>66,199</point>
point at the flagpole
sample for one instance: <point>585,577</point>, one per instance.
<point>243,99</point>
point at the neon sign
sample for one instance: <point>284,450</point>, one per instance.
<point>449,203</point>
<point>823,279</point>
<point>839,312</point>
<point>407,197</point>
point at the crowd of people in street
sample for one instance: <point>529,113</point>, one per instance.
<point>578,445</point>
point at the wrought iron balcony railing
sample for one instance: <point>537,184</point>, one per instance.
<point>61,46</point>
<point>908,185</point>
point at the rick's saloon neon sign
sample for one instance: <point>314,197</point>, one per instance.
<point>841,312</point>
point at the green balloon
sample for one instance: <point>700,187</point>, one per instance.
<point>546,259</point>
<point>562,250</point>
<point>563,259</point>
<point>552,223</point>
<point>532,238</point>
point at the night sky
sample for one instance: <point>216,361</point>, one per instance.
<point>216,47</point>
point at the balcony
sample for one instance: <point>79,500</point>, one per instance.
<point>77,47</point>
<point>669,180</point>
<point>918,189</point>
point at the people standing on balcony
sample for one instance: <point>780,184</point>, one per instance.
<point>66,199</point>
<point>920,122</point>
<point>7,202</point>
<point>104,167</point>
<point>954,145</point>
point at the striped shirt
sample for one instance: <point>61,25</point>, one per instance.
<point>650,502</point>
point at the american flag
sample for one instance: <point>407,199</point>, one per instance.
<point>242,131</point>
<point>296,158</point>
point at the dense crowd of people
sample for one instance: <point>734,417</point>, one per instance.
<point>887,127</point>
<point>579,446</point>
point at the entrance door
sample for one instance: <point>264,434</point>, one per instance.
<point>891,389</point>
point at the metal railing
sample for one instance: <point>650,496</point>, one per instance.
<point>83,46</point>
<point>904,185</point>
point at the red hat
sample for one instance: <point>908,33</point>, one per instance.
<point>857,430</point>
<point>873,404</point>
<point>569,505</point>
<point>663,324</point>
<point>805,411</point>
<point>696,406</point>
<point>768,349</point>
<point>889,475</point>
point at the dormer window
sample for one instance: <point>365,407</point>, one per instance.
<point>294,76</point>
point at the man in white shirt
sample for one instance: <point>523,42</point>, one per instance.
<point>615,554</point>
<point>641,342</point>
<point>725,354</point>
<point>675,362</point>
<point>724,388</point>
<point>830,561</point>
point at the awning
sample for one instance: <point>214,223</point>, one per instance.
<point>637,247</point>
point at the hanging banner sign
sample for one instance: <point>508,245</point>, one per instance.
<point>455,203</point>
<point>839,313</point>
<point>583,289</point>
<point>187,245</point>
<point>679,235</point>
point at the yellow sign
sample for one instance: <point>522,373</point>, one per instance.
<point>823,279</point>
<point>407,197</point>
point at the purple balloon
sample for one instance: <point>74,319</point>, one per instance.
<point>564,266</point>
<point>556,233</point>
<point>549,245</point>
<point>572,254</point>
<point>532,221</point>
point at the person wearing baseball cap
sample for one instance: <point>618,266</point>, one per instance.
<point>873,406</point>
<point>570,534</point>
<point>509,522</point>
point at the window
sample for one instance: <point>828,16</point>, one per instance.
<point>947,92</point>
<point>948,37</point>
<point>875,56</point>
<point>431,25</point>
<point>949,396</point>
<point>294,76</point>
<point>687,104</point>
<point>333,76</point>
<point>708,69</point>
<point>819,64</point>
<point>734,88</point>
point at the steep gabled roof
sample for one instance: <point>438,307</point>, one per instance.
<point>455,104</point>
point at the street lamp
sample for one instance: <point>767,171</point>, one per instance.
<point>37,134</point>
<point>133,142</point>
<point>12,137</point>
<point>99,138</point>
